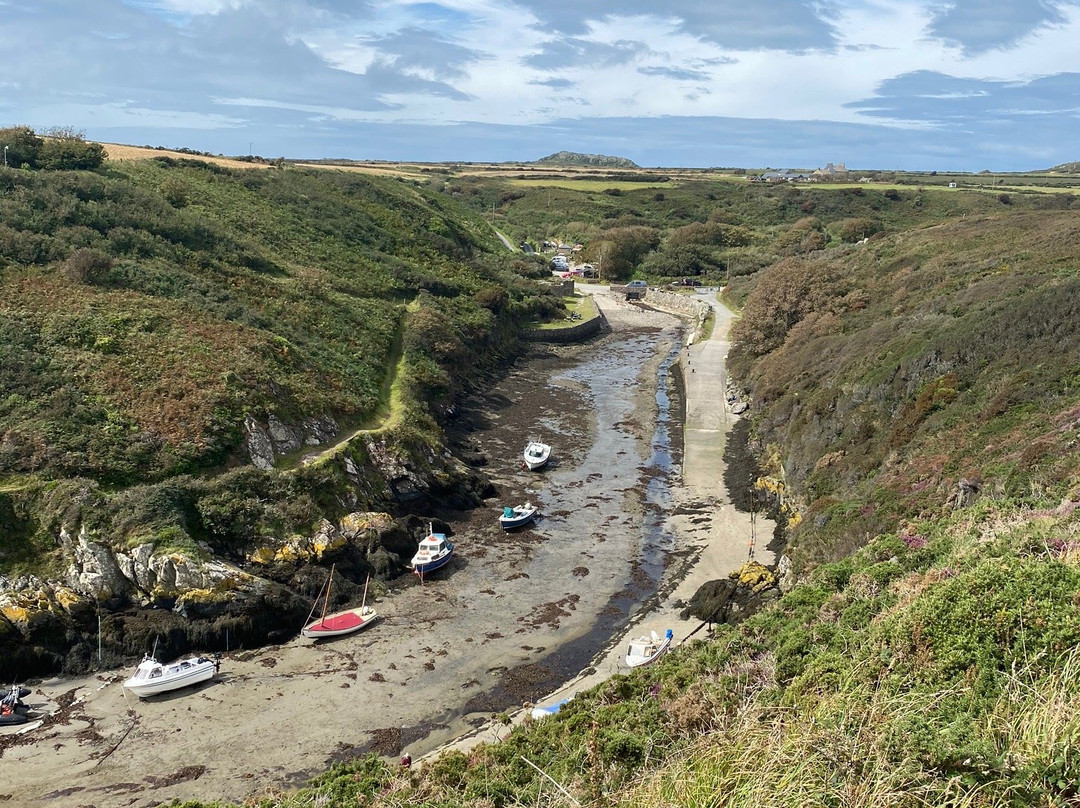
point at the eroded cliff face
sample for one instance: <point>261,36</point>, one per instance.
<point>110,602</point>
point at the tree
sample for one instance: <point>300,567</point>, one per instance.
<point>69,154</point>
<point>853,229</point>
<point>716,234</point>
<point>682,260</point>
<point>628,246</point>
<point>22,146</point>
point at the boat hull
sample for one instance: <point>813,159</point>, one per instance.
<point>336,625</point>
<point>544,712</point>
<point>520,516</point>
<point>431,566</point>
<point>536,455</point>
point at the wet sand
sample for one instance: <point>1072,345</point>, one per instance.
<point>513,618</point>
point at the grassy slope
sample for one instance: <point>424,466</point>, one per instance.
<point>148,308</point>
<point>933,661</point>
<point>930,665</point>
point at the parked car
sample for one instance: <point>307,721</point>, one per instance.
<point>686,282</point>
<point>637,285</point>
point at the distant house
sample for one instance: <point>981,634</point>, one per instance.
<point>830,172</point>
<point>787,175</point>
<point>952,184</point>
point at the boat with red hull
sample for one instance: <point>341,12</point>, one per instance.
<point>339,623</point>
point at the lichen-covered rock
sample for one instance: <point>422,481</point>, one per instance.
<point>754,575</point>
<point>265,443</point>
<point>785,574</point>
<point>354,525</point>
<point>299,549</point>
<point>260,447</point>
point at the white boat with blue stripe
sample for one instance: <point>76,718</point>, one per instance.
<point>434,552</point>
<point>517,516</point>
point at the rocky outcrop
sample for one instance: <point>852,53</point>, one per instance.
<point>142,575</point>
<point>267,442</point>
<point>128,599</point>
<point>734,599</point>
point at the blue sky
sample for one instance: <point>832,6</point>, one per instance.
<point>965,85</point>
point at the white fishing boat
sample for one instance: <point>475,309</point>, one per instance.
<point>435,551</point>
<point>537,455</point>
<point>646,649</point>
<point>152,678</point>
<point>517,516</point>
<point>343,622</point>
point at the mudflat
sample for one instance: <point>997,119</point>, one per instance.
<point>516,618</point>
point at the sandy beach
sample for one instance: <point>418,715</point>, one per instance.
<point>515,619</point>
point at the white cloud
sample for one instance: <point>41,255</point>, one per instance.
<point>206,64</point>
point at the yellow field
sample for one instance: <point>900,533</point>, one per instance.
<point>115,151</point>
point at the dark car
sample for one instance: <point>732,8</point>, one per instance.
<point>687,282</point>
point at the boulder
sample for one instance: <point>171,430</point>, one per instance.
<point>93,570</point>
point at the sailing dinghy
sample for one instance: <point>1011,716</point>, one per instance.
<point>339,623</point>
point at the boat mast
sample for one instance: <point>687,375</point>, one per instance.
<point>329,583</point>
<point>363,602</point>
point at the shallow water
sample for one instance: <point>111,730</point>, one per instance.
<point>602,542</point>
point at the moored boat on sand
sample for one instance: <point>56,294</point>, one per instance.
<point>646,649</point>
<point>536,455</point>
<point>152,678</point>
<point>339,623</point>
<point>539,712</point>
<point>12,710</point>
<point>517,516</point>
<point>434,552</point>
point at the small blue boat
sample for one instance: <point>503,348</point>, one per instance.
<point>544,712</point>
<point>434,552</point>
<point>517,516</point>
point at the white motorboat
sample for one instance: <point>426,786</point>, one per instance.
<point>434,552</point>
<point>152,678</point>
<point>537,455</point>
<point>646,649</point>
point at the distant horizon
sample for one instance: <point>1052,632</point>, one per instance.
<point>536,161</point>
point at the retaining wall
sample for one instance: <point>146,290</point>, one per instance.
<point>696,310</point>
<point>571,333</point>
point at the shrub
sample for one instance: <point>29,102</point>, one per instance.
<point>88,266</point>
<point>69,154</point>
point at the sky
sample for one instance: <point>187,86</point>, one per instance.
<point>967,85</point>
